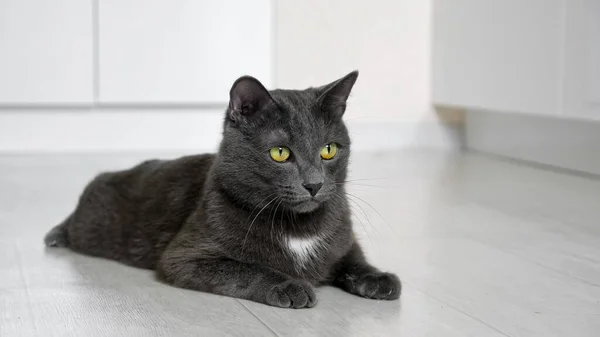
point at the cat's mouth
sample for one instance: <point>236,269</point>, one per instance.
<point>305,206</point>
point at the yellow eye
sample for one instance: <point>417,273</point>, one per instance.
<point>329,151</point>
<point>280,154</point>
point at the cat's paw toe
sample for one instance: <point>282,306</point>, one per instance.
<point>379,286</point>
<point>292,294</point>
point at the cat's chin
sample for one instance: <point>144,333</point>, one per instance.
<point>306,206</point>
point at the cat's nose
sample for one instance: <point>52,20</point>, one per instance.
<point>313,188</point>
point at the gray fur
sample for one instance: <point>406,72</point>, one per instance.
<point>57,236</point>
<point>218,222</point>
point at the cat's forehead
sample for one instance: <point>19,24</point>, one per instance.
<point>298,109</point>
<point>296,101</point>
<point>277,135</point>
<point>300,121</point>
<point>296,116</point>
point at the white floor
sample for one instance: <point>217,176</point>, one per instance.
<point>484,247</point>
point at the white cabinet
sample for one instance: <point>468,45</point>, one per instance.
<point>131,52</point>
<point>181,51</point>
<point>534,56</point>
<point>582,59</point>
<point>46,52</point>
<point>498,54</point>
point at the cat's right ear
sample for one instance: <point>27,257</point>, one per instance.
<point>247,97</point>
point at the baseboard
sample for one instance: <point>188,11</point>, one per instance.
<point>558,142</point>
<point>139,130</point>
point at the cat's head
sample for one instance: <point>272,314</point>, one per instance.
<point>288,148</point>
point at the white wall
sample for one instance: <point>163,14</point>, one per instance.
<point>388,41</point>
<point>315,42</point>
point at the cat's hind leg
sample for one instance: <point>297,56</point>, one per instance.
<point>58,236</point>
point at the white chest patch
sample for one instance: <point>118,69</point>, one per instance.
<point>303,249</point>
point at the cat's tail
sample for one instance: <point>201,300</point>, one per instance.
<point>58,236</point>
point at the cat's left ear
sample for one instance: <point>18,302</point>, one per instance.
<point>334,95</point>
<point>247,97</point>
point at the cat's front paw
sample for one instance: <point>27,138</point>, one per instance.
<point>377,285</point>
<point>292,294</point>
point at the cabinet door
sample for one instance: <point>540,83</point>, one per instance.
<point>181,51</point>
<point>503,55</point>
<point>46,52</point>
<point>582,59</point>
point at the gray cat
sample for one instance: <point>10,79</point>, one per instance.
<point>265,219</point>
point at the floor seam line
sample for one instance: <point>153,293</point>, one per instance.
<point>258,318</point>
<point>495,246</point>
<point>22,273</point>
<point>461,311</point>
<point>549,268</point>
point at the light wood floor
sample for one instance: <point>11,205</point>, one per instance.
<point>484,248</point>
